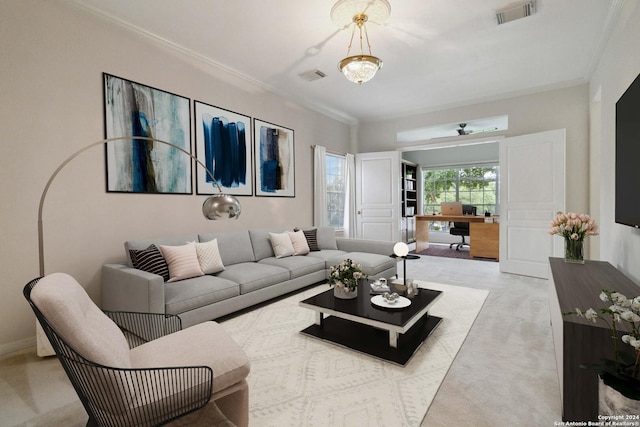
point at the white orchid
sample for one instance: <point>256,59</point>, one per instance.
<point>591,314</point>
<point>630,316</point>
<point>620,309</point>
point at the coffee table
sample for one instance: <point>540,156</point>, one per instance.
<point>392,334</point>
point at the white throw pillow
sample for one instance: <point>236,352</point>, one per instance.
<point>182,261</point>
<point>281,244</point>
<point>299,242</point>
<point>209,257</point>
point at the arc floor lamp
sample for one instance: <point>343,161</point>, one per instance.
<point>215,207</point>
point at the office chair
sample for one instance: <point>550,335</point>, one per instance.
<point>462,228</point>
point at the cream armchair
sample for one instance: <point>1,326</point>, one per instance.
<point>141,369</point>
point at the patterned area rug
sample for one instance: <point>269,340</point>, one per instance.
<point>297,380</point>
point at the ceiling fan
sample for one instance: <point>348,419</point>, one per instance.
<point>463,131</point>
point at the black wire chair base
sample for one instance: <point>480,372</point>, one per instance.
<point>131,397</point>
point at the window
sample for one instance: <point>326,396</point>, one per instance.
<point>336,190</point>
<point>475,185</point>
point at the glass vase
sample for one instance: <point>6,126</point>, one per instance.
<point>574,251</point>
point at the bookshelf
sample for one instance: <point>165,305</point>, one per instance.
<point>409,200</point>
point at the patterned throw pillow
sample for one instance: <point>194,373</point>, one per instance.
<point>209,257</point>
<point>312,238</point>
<point>182,261</point>
<point>150,260</point>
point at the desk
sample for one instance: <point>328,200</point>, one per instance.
<point>486,234</point>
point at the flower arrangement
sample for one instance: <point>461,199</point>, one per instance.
<point>574,228</point>
<point>346,275</point>
<point>622,373</point>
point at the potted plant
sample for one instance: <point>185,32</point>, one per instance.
<point>344,277</point>
<point>619,377</point>
<point>574,228</point>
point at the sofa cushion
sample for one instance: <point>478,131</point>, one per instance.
<point>329,256</point>
<point>254,275</point>
<point>281,244</point>
<point>215,349</point>
<point>298,266</point>
<point>372,264</point>
<point>182,261</point>
<point>150,260</point>
<point>299,242</point>
<point>234,246</point>
<point>197,292</point>
<point>261,242</point>
<point>327,238</point>
<point>209,257</point>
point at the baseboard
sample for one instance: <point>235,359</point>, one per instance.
<point>20,345</point>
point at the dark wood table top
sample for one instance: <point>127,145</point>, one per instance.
<point>364,308</point>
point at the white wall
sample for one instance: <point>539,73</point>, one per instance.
<point>556,109</point>
<point>52,57</point>
<point>461,155</point>
<point>618,67</point>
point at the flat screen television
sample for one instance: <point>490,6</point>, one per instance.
<point>628,156</point>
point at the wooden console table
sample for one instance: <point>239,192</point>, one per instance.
<point>484,235</point>
<point>577,340</point>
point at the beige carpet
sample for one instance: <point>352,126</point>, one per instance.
<point>297,380</point>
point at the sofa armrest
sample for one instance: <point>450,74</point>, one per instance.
<point>126,288</point>
<point>381,247</point>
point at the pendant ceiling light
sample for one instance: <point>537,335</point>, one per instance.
<point>363,67</point>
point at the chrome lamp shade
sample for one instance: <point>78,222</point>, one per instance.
<point>221,206</point>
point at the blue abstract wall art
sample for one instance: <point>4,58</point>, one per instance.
<point>223,144</point>
<point>139,166</point>
<point>275,160</point>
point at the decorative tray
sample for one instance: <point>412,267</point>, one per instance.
<point>380,301</point>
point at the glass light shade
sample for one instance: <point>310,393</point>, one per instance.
<point>221,206</point>
<point>360,68</point>
<point>400,249</point>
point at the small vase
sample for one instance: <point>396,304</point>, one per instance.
<point>612,402</point>
<point>344,293</point>
<point>574,251</point>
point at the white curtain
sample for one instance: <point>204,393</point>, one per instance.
<point>350,199</point>
<point>320,214</point>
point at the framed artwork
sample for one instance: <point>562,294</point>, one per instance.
<point>223,145</point>
<point>274,160</point>
<point>139,166</point>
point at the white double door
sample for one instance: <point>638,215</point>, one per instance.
<point>532,190</point>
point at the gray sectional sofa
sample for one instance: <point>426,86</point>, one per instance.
<point>252,274</point>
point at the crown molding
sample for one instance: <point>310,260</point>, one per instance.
<point>154,38</point>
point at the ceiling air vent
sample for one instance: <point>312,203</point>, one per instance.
<point>518,11</point>
<point>312,75</point>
